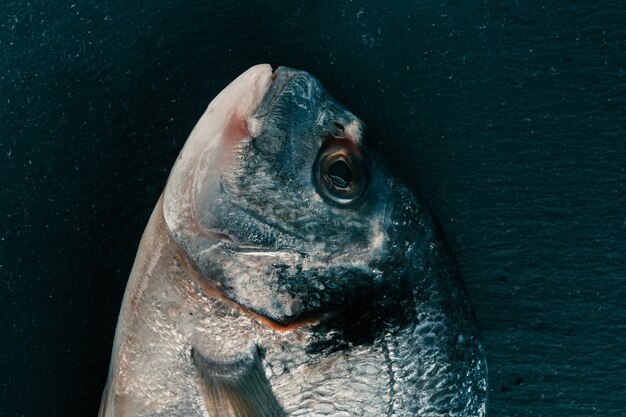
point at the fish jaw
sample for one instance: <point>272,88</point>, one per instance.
<point>226,121</point>
<point>193,193</point>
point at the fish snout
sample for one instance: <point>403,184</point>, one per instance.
<point>303,89</point>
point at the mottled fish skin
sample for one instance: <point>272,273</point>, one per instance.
<point>254,293</point>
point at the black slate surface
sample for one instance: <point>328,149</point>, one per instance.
<point>508,117</point>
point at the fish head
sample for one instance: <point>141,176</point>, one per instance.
<point>278,203</point>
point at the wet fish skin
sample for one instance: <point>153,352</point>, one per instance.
<point>251,290</point>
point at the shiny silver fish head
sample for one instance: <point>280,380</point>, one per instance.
<point>280,205</point>
<point>284,206</point>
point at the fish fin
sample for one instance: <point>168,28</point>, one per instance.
<point>236,388</point>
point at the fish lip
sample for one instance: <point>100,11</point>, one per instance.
<point>280,78</point>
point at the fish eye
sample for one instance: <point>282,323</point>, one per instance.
<point>340,176</point>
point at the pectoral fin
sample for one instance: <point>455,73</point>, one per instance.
<point>236,388</point>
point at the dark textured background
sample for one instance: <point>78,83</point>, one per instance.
<point>508,117</point>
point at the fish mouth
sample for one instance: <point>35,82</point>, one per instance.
<point>225,122</point>
<point>280,78</point>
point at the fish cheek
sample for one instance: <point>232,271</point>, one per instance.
<point>276,286</point>
<point>254,281</point>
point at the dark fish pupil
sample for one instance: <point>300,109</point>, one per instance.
<point>340,174</point>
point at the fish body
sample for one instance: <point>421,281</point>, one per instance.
<point>285,272</point>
